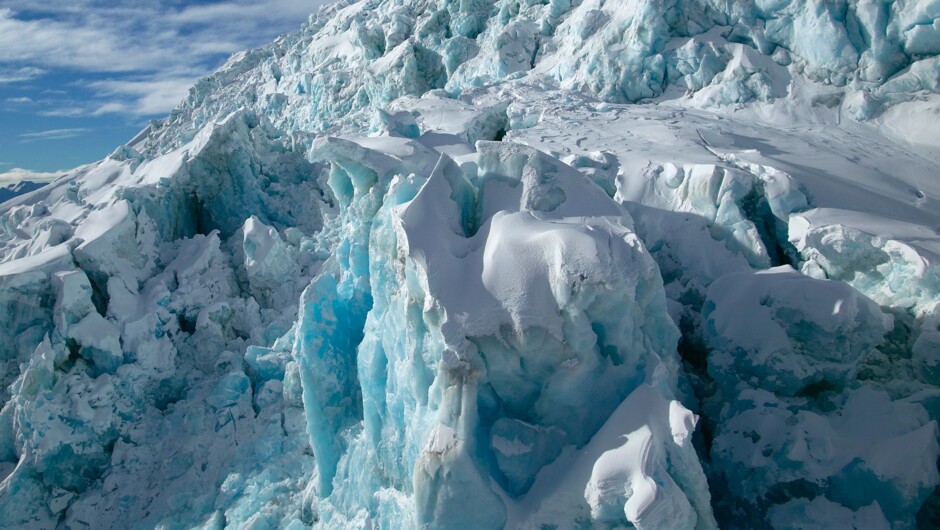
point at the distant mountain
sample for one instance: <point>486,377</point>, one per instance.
<point>9,191</point>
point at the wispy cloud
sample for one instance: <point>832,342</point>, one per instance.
<point>18,174</point>
<point>76,42</point>
<point>52,134</point>
<point>149,52</point>
<point>65,112</point>
<point>133,96</point>
<point>17,75</point>
<point>141,97</point>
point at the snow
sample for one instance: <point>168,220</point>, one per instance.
<point>752,320</point>
<point>820,513</point>
<point>497,264</point>
<point>627,472</point>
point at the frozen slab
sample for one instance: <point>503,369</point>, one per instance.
<point>789,331</point>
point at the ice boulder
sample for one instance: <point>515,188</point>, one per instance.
<point>646,448</point>
<point>786,332</point>
<point>76,317</point>
<point>894,262</point>
<point>470,388</point>
<point>109,244</point>
<point>639,469</point>
<point>400,123</point>
<point>926,347</point>
<point>743,207</point>
<point>271,268</point>
<point>859,447</point>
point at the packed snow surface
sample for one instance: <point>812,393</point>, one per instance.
<point>498,264</point>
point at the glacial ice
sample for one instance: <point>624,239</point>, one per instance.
<point>787,331</point>
<point>494,263</point>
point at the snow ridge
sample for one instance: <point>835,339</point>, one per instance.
<point>359,55</point>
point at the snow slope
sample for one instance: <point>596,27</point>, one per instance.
<point>498,263</point>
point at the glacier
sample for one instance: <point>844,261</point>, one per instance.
<point>498,264</point>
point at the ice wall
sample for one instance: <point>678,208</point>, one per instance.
<point>469,388</point>
<point>856,56</point>
<point>152,296</point>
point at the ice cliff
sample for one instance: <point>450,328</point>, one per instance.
<point>498,264</point>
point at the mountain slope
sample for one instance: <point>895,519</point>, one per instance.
<point>489,264</point>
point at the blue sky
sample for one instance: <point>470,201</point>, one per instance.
<point>80,77</point>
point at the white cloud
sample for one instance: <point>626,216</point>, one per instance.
<point>94,41</point>
<point>58,44</point>
<point>65,112</point>
<point>141,97</point>
<point>17,75</point>
<point>149,52</point>
<point>242,11</point>
<point>94,36</point>
<point>20,101</point>
<point>53,134</point>
<point>19,174</point>
<point>129,96</point>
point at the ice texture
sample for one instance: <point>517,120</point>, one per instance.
<point>787,331</point>
<point>860,55</point>
<point>497,264</point>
